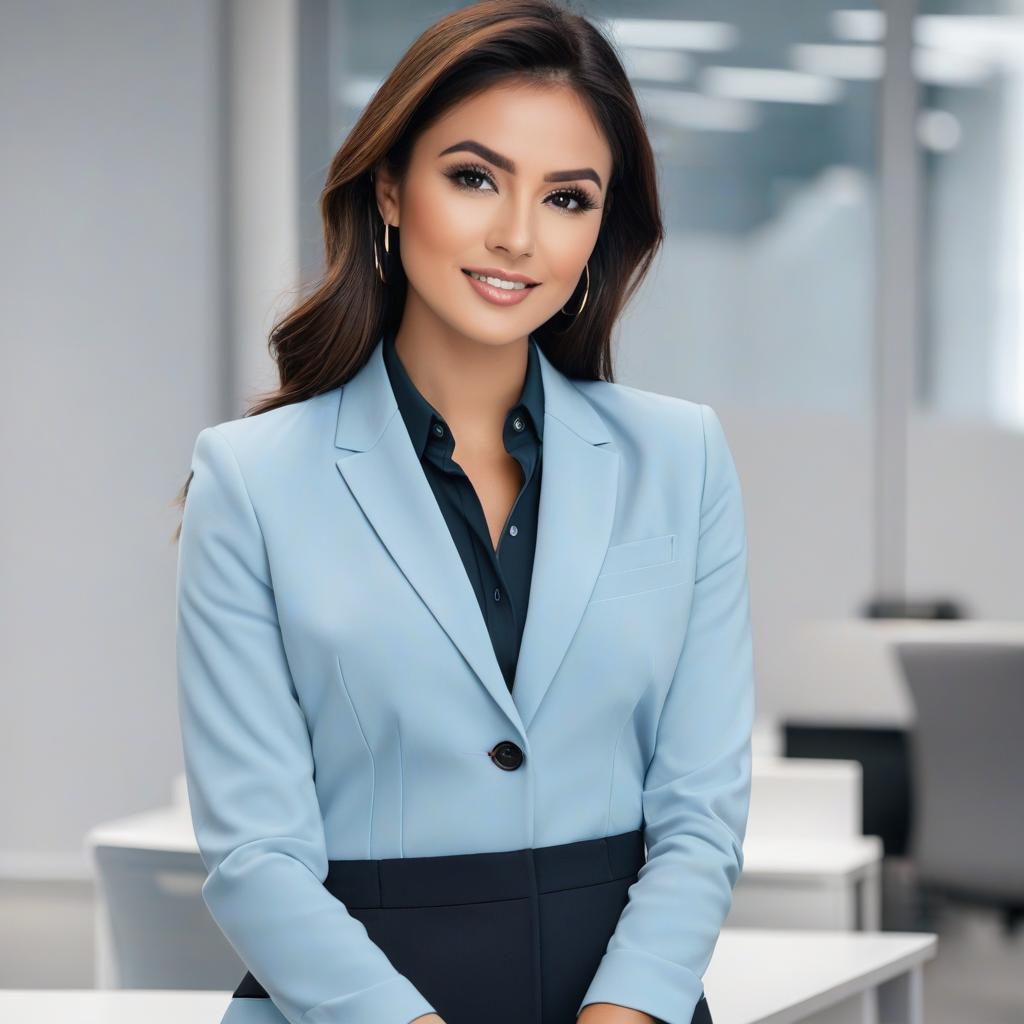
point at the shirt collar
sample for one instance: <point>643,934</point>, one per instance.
<point>420,415</point>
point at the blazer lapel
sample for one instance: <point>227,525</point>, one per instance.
<point>577,505</point>
<point>579,482</point>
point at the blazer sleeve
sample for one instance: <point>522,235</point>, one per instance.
<point>696,792</point>
<point>249,771</point>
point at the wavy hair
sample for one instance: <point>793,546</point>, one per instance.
<point>328,336</point>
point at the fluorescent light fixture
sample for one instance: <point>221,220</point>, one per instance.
<point>694,110</point>
<point>993,37</point>
<point>984,37</point>
<point>838,60</point>
<point>673,34</point>
<point>656,65</point>
<point>940,67</point>
<point>867,62</point>
<point>858,26</point>
<point>771,85</point>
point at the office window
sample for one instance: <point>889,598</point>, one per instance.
<point>969,63</point>
<point>763,123</point>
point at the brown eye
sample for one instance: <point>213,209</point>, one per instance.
<point>468,171</point>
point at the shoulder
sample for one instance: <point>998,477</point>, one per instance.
<point>269,442</point>
<point>647,418</point>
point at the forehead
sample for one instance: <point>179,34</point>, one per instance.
<point>540,128</point>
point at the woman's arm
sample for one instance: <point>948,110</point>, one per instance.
<point>249,769</point>
<point>697,787</point>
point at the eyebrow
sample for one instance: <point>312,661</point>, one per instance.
<point>471,146</point>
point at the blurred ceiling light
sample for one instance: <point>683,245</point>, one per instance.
<point>934,67</point>
<point>858,26</point>
<point>773,85</point>
<point>994,37</point>
<point>696,111</point>
<point>664,33</point>
<point>938,130</point>
<point>656,65</point>
<point>940,67</point>
<point>986,37</point>
<point>838,61</point>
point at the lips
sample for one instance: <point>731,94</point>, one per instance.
<point>496,295</point>
<point>504,275</point>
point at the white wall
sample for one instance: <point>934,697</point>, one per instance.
<point>111,285</point>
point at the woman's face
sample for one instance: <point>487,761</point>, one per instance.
<point>480,194</point>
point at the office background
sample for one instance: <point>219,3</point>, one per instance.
<point>842,280</point>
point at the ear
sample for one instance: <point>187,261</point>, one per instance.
<point>386,193</point>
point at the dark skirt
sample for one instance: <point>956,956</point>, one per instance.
<point>507,938</point>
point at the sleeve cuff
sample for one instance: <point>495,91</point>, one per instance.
<point>393,1002</point>
<point>641,981</point>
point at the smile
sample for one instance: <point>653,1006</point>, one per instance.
<point>499,282</point>
<point>498,290</point>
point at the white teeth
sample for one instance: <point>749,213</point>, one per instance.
<point>499,282</point>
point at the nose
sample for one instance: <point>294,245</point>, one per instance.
<point>512,230</point>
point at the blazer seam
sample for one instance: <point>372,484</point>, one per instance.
<point>369,750</point>
<point>689,615</point>
<point>615,758</point>
<point>401,790</point>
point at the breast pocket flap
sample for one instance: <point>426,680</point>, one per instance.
<point>636,554</point>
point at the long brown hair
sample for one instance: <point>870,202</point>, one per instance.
<point>329,335</point>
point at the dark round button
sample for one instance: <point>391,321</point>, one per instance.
<point>507,755</point>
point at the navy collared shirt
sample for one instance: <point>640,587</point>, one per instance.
<point>500,579</point>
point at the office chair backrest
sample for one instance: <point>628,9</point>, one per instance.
<point>967,765</point>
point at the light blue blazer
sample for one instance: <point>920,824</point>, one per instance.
<point>339,693</point>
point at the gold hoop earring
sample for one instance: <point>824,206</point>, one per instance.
<point>376,261</point>
<point>586,292</point>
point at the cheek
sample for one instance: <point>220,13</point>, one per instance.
<point>566,248</point>
<point>437,230</point>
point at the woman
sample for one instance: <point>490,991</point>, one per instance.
<point>433,711</point>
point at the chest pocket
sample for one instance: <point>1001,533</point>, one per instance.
<point>636,566</point>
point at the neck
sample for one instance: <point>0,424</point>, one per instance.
<point>471,383</point>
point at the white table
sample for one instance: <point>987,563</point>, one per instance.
<point>756,976</point>
<point>810,883</point>
<point>845,671</point>
<point>760,976</point>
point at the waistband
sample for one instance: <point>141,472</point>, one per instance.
<point>484,877</point>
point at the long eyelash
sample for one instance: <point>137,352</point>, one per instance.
<point>581,197</point>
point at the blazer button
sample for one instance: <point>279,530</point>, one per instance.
<point>507,755</point>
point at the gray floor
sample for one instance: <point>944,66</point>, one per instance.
<point>977,976</point>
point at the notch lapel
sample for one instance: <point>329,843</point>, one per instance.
<point>579,482</point>
<point>577,504</point>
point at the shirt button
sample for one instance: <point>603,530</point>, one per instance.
<point>497,594</point>
<point>513,529</point>
<point>517,423</point>
<point>439,430</point>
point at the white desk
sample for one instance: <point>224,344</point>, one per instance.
<point>758,976</point>
<point>845,671</point>
<point>755,977</point>
<point>810,883</point>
